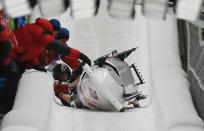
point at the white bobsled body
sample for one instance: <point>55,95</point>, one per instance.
<point>102,86</point>
<point>98,97</point>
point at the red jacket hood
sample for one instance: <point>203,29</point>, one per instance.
<point>44,23</point>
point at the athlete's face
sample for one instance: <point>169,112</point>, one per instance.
<point>64,77</point>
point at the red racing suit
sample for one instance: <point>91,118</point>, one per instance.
<point>32,40</point>
<point>71,60</point>
<point>60,89</point>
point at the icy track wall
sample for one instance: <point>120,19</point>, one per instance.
<point>32,102</point>
<point>169,79</point>
<point>196,66</point>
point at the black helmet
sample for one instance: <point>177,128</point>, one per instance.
<point>60,69</point>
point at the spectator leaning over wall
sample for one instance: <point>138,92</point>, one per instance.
<point>72,61</point>
<point>9,73</point>
<point>33,39</point>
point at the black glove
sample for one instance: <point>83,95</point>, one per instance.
<point>85,59</point>
<point>58,48</point>
<point>40,68</point>
<point>77,72</point>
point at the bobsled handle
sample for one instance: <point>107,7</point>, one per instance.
<point>138,74</point>
<point>125,54</point>
<point>101,60</point>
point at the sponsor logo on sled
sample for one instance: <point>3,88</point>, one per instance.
<point>93,94</point>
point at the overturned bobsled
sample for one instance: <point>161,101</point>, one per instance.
<point>109,84</point>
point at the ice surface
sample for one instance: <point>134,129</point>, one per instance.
<point>171,107</point>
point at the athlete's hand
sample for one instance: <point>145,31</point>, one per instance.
<point>77,72</point>
<point>85,59</point>
<point>60,88</point>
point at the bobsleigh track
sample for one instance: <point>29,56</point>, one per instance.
<point>170,106</point>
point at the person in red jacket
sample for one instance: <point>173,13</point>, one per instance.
<point>71,60</point>
<point>34,39</point>
<point>4,50</point>
<point>7,40</point>
<point>44,57</point>
<point>9,73</point>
